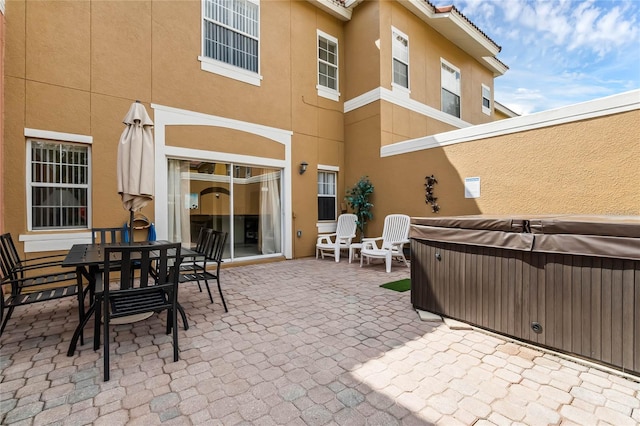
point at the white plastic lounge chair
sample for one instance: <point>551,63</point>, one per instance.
<point>339,240</point>
<point>395,235</point>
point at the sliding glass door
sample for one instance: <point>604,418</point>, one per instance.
<point>242,200</point>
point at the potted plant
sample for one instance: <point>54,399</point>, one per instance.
<point>358,199</point>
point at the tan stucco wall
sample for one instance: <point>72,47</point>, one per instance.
<point>582,167</point>
<point>83,63</point>
<point>220,139</point>
<point>362,54</point>
<point>585,167</point>
<point>426,47</point>
<point>75,67</point>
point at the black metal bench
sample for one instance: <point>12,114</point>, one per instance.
<point>34,280</point>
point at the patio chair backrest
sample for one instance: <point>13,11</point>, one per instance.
<point>214,245</point>
<point>10,258</point>
<point>203,238</point>
<point>346,227</point>
<point>107,235</point>
<point>396,228</point>
<point>8,255</point>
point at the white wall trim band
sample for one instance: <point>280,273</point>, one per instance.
<point>229,71</point>
<point>58,136</point>
<point>177,116</point>
<point>401,99</point>
<point>326,227</point>
<point>328,168</point>
<point>53,242</point>
<point>615,104</point>
<point>214,156</point>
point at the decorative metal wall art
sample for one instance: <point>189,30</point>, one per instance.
<point>429,198</point>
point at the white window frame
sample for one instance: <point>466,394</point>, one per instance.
<point>396,55</point>
<point>222,68</point>
<point>486,94</point>
<point>30,186</point>
<point>324,91</point>
<point>443,63</point>
<point>62,239</point>
<point>334,172</point>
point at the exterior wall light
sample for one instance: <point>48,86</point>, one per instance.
<point>303,167</point>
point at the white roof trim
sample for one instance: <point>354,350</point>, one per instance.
<point>495,65</point>
<point>615,104</point>
<point>334,9</point>
<point>469,29</point>
<point>448,22</point>
<point>504,110</point>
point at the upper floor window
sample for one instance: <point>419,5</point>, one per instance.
<point>327,66</point>
<point>231,35</point>
<point>400,52</point>
<point>58,182</point>
<point>486,99</point>
<point>327,195</point>
<point>450,89</point>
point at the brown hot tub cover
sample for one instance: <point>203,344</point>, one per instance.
<point>602,236</point>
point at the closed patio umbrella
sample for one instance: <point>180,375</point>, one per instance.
<point>136,161</point>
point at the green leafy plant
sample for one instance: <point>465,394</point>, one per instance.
<point>358,199</point>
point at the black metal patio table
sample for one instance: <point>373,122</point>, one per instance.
<point>88,260</point>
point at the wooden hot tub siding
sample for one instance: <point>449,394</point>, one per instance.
<point>587,306</point>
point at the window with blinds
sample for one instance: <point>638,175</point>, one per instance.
<point>486,100</point>
<point>450,89</point>
<point>400,52</point>
<point>231,32</point>
<point>327,195</point>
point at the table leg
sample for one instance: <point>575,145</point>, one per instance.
<point>78,331</point>
<point>84,316</point>
<point>184,317</point>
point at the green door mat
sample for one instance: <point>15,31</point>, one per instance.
<point>402,285</point>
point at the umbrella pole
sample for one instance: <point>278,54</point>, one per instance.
<point>130,226</point>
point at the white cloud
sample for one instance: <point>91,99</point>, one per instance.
<point>513,10</point>
<point>478,8</point>
<point>551,22</point>
<point>524,94</point>
<point>560,52</point>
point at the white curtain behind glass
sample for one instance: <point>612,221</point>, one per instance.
<point>270,230</point>
<point>178,188</point>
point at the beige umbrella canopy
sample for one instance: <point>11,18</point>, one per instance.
<point>136,161</point>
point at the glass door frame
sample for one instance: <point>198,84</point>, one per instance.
<point>165,116</point>
<point>232,214</point>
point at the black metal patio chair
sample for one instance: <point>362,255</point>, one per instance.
<point>210,246</point>
<point>154,290</point>
<point>35,280</point>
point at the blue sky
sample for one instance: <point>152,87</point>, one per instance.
<point>560,52</point>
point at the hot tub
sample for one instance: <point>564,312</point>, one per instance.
<point>569,283</point>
